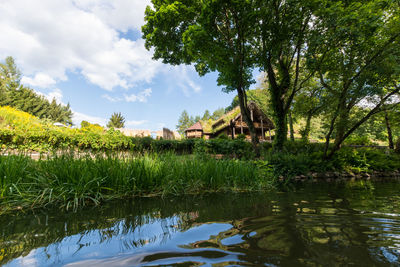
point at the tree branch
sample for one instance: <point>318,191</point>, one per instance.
<point>370,61</point>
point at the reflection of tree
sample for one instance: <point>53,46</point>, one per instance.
<point>313,226</point>
<point>21,233</point>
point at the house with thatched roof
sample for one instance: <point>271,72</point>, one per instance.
<point>232,124</point>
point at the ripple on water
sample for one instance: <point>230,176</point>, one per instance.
<point>311,227</point>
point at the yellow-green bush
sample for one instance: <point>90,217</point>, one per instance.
<point>23,131</point>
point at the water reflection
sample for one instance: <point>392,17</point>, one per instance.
<point>352,224</point>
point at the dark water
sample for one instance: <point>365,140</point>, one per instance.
<point>355,224</point>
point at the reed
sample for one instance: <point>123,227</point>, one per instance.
<point>70,181</point>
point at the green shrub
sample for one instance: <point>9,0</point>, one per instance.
<point>238,148</point>
<point>358,141</point>
<point>223,136</point>
<point>23,131</point>
<point>241,137</point>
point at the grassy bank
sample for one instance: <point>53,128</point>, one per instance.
<point>71,182</point>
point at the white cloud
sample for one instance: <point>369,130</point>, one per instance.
<point>141,97</point>
<point>135,123</point>
<point>49,38</point>
<point>180,76</point>
<point>78,117</point>
<point>122,15</point>
<point>53,94</point>
<point>39,80</point>
<point>111,99</point>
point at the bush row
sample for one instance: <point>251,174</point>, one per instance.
<point>20,130</point>
<point>347,159</point>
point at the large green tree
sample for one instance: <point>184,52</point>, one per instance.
<point>215,35</point>
<point>283,31</point>
<point>356,58</point>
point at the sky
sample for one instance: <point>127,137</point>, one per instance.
<point>90,54</point>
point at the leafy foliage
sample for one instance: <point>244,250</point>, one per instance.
<point>398,146</point>
<point>356,58</point>
<point>212,35</point>
<point>116,121</point>
<point>237,148</point>
<point>20,130</point>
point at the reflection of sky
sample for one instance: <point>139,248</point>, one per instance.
<point>326,229</point>
<point>160,235</point>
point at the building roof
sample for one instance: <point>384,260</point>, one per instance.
<point>225,119</point>
<point>210,126</point>
<point>195,127</point>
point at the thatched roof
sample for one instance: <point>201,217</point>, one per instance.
<point>225,119</point>
<point>195,127</point>
<point>258,113</point>
<point>235,114</point>
<point>210,126</point>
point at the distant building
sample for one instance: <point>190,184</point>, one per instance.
<point>195,131</point>
<point>164,134</point>
<point>232,124</point>
<point>135,133</point>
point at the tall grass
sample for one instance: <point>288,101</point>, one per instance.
<point>71,181</point>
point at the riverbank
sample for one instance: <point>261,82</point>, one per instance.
<point>71,181</point>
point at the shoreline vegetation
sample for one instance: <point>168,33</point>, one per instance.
<point>90,165</point>
<point>71,181</point>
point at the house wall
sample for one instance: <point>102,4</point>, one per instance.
<point>194,134</point>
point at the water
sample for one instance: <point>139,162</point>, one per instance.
<point>356,224</point>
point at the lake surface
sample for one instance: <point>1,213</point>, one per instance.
<point>355,224</point>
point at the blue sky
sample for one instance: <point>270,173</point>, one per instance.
<point>89,53</point>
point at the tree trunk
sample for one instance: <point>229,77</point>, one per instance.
<point>341,127</point>
<point>341,119</point>
<point>246,116</point>
<point>281,128</point>
<point>291,126</point>
<point>305,135</point>
<point>389,131</point>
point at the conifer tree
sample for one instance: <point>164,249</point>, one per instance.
<point>116,121</point>
<point>184,122</point>
<point>13,94</point>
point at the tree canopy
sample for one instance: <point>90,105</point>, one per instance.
<point>320,57</point>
